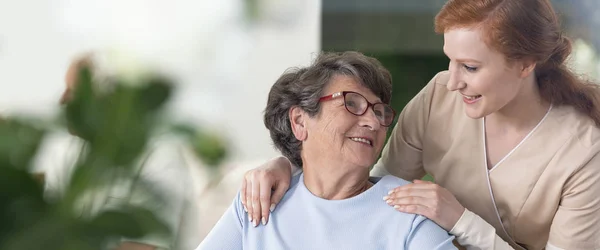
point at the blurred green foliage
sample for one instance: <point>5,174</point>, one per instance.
<point>410,73</point>
<point>207,145</point>
<point>116,122</point>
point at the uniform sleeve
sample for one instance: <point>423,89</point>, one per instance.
<point>576,224</point>
<point>402,155</point>
<point>473,232</point>
<point>227,233</point>
<point>425,234</point>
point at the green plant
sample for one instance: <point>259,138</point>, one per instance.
<point>116,124</point>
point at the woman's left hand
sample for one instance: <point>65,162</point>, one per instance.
<point>427,199</point>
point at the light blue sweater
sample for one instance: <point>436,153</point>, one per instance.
<point>305,221</point>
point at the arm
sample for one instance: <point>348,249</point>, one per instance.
<point>576,224</point>
<point>256,197</point>
<point>440,206</point>
<point>227,233</point>
<point>402,155</point>
<point>473,232</point>
<point>425,234</point>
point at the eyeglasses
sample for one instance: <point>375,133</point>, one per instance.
<point>357,105</point>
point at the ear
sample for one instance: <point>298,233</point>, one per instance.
<point>298,122</point>
<point>527,67</point>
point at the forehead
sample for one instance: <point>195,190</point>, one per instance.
<point>468,43</point>
<point>340,83</point>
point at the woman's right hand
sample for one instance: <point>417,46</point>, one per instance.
<point>263,187</point>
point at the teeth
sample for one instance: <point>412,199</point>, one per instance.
<point>472,97</point>
<point>361,140</point>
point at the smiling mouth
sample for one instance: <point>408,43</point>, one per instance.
<point>471,97</point>
<point>362,140</point>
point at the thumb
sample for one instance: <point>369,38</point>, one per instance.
<point>278,194</point>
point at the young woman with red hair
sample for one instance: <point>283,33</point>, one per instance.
<point>509,133</point>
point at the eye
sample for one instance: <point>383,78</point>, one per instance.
<point>469,68</point>
<point>350,103</point>
<point>379,113</point>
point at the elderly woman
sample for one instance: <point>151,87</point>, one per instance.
<point>330,119</point>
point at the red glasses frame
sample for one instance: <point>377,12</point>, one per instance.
<point>369,105</point>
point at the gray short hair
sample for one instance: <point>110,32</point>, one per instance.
<point>303,87</point>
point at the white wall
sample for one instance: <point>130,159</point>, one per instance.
<point>225,64</point>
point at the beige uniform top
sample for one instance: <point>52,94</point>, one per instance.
<point>543,194</point>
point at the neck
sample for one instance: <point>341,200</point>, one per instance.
<point>522,113</point>
<point>329,181</point>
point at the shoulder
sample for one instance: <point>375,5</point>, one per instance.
<point>441,96</point>
<point>423,232</point>
<point>295,182</point>
<point>582,129</point>
<point>441,78</point>
<point>437,83</point>
<point>434,100</point>
<point>437,98</point>
<point>578,139</point>
<point>391,181</point>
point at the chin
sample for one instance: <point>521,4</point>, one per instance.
<point>474,114</point>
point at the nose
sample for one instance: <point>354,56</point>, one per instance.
<point>369,120</point>
<point>455,81</point>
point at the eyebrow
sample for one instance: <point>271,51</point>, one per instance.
<point>467,60</point>
<point>462,60</point>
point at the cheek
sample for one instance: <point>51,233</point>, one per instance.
<point>329,124</point>
<point>489,85</point>
<point>506,88</point>
<point>331,127</point>
<point>481,84</point>
<point>381,137</point>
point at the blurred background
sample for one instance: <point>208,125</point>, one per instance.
<point>225,55</point>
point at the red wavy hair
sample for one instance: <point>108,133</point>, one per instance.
<point>527,29</point>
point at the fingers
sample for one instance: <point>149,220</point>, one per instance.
<point>426,189</point>
<point>268,200</point>
<point>417,194</point>
<point>249,200</point>
<point>420,190</point>
<point>415,205</point>
<point>265,202</point>
<point>255,214</point>
<point>256,200</point>
<point>259,184</point>
<point>411,200</point>
<point>416,209</point>
<point>278,194</point>
<point>427,199</point>
<point>243,194</point>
